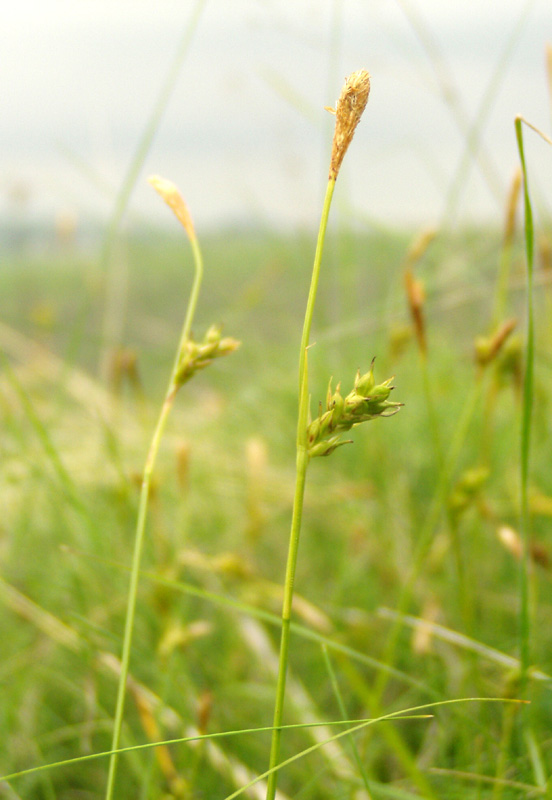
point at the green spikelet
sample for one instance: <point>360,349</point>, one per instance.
<point>366,401</point>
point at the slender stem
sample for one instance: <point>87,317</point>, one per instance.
<point>525,620</point>
<point>314,281</point>
<point>141,521</point>
<point>301,473</point>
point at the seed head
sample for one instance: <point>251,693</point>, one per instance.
<point>348,112</point>
<point>174,200</point>
<point>198,355</point>
<point>366,401</point>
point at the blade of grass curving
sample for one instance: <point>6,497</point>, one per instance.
<point>199,737</point>
<point>526,425</point>
<point>392,716</point>
<point>116,288</point>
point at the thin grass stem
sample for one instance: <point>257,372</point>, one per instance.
<point>301,473</point>
<point>525,622</point>
<point>142,516</point>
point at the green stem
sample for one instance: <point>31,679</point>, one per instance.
<point>142,517</point>
<point>526,420</point>
<point>301,473</point>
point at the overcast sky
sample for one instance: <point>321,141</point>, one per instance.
<point>245,134</point>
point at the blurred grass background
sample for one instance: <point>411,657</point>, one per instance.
<point>87,337</point>
<point>72,455</point>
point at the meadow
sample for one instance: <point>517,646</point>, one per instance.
<point>419,644</point>
<point>428,500</point>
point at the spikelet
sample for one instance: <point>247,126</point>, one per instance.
<point>178,784</point>
<point>195,356</point>
<point>511,540</point>
<point>172,197</point>
<point>352,102</point>
<point>366,401</point>
<point>415,295</point>
<point>488,347</point>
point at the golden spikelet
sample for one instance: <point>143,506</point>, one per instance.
<point>415,295</point>
<point>352,102</point>
<point>153,732</point>
<point>174,200</point>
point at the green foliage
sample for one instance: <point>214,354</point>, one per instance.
<point>204,650</point>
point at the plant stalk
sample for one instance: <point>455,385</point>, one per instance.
<point>142,517</point>
<point>301,473</point>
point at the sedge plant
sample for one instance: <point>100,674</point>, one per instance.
<point>191,357</point>
<point>322,435</point>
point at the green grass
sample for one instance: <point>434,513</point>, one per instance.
<point>71,454</point>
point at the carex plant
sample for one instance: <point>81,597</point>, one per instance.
<point>191,356</point>
<point>321,436</point>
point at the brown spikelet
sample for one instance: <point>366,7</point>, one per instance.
<point>348,112</point>
<point>416,296</point>
<point>510,539</point>
<point>487,348</point>
<point>153,732</point>
<point>204,708</point>
<point>174,200</point>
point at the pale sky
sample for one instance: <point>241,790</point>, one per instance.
<point>245,135</point>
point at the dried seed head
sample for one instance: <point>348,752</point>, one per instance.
<point>174,200</point>
<point>415,295</point>
<point>348,112</point>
